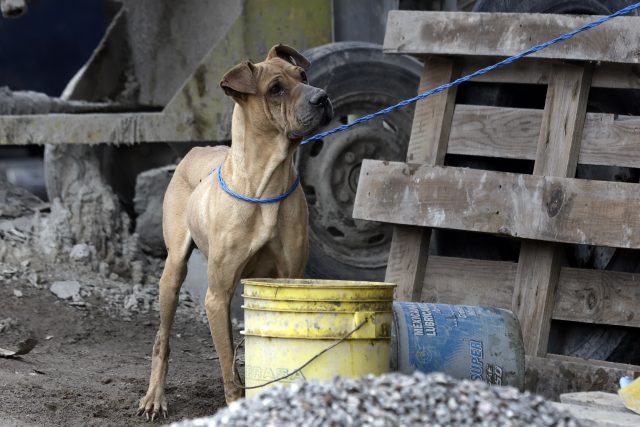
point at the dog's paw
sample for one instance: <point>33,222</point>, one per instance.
<point>153,405</point>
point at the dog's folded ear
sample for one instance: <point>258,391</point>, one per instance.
<point>239,80</point>
<point>289,54</point>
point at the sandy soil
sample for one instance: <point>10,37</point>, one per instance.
<point>91,367</point>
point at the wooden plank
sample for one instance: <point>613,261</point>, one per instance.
<point>432,117</point>
<point>563,121</point>
<point>599,416</point>
<point>555,375</point>
<point>511,133</point>
<point>534,293</point>
<point>588,296</point>
<point>557,155</point>
<point>595,399</point>
<point>427,145</point>
<point>565,210</point>
<point>595,296</point>
<point>408,260</point>
<point>450,280</point>
<point>507,34</point>
<point>538,71</point>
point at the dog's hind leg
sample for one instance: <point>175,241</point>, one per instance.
<point>179,247</point>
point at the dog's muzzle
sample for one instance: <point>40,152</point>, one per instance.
<point>320,100</point>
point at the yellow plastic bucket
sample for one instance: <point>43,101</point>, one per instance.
<point>289,321</point>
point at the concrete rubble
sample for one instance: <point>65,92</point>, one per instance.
<point>85,289</point>
<point>389,400</point>
<point>150,188</point>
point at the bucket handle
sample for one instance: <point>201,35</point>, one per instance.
<point>295,371</point>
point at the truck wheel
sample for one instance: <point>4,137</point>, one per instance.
<point>359,79</point>
<point>575,7</point>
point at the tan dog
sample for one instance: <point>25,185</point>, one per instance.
<point>274,108</point>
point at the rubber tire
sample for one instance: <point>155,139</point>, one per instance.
<point>591,7</point>
<point>362,68</point>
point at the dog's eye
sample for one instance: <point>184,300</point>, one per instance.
<point>303,75</point>
<point>276,89</point>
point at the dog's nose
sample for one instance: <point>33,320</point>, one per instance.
<point>319,99</point>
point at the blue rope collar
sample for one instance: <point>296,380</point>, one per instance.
<point>275,199</point>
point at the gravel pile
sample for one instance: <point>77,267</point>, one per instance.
<point>389,400</point>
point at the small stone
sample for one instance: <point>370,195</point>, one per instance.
<point>81,252</point>
<point>137,272</point>
<point>9,271</point>
<point>25,263</point>
<point>17,293</point>
<point>66,289</point>
<point>103,269</point>
<point>33,279</point>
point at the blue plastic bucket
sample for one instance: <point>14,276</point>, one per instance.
<point>466,342</point>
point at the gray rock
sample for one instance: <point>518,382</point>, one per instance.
<point>81,252</point>
<point>16,201</point>
<point>150,188</point>
<point>66,289</point>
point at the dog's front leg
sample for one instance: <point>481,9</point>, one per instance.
<point>224,274</point>
<point>154,403</point>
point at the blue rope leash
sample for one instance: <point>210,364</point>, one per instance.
<point>474,74</point>
<point>230,192</point>
<point>441,88</point>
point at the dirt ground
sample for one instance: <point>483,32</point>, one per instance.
<point>91,364</point>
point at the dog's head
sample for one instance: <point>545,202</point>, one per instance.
<point>276,96</point>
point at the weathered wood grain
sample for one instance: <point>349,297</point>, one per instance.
<point>538,71</point>
<point>450,280</point>
<point>507,34</point>
<point>556,155</point>
<point>588,296</point>
<point>427,145</point>
<point>408,260</point>
<point>595,296</point>
<point>433,116</point>
<point>553,209</point>
<point>512,133</point>
<point>555,375</point>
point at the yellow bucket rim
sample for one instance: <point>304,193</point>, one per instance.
<point>286,310</point>
<point>313,283</point>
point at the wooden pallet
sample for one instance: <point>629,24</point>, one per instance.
<point>545,209</point>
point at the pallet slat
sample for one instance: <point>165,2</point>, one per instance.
<point>554,209</point>
<point>587,296</point>
<point>512,133</point>
<point>556,155</point>
<point>507,34</point>
<point>538,71</point>
<point>428,145</point>
<point>555,375</point>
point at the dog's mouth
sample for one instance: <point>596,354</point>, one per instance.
<point>327,114</point>
<point>311,123</point>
